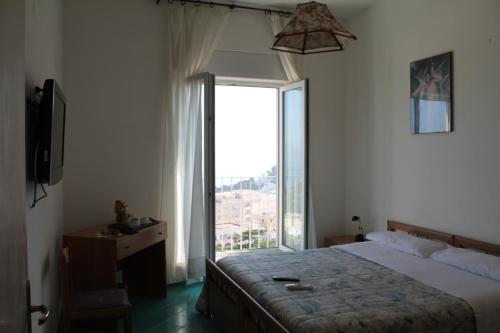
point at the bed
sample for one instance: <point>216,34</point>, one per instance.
<point>359,287</point>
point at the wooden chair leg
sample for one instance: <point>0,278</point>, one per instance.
<point>128,321</point>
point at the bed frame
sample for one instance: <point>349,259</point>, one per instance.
<point>234,310</point>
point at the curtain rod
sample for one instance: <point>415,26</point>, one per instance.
<point>232,6</point>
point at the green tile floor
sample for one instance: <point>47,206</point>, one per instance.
<point>174,314</point>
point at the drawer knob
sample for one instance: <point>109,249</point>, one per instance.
<point>126,247</point>
<point>160,233</point>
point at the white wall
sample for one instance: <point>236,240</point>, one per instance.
<point>113,69</point>
<point>45,221</point>
<point>447,182</point>
<point>326,73</point>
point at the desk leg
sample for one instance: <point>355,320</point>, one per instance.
<point>145,272</point>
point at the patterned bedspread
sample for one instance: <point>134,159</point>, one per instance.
<point>351,294</point>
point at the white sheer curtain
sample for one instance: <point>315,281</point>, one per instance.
<point>293,67</point>
<point>192,35</point>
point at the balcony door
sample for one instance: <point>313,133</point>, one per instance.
<point>293,161</point>
<point>255,162</point>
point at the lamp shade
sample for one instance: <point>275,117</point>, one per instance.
<point>312,29</point>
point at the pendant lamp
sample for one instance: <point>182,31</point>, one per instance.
<point>312,29</point>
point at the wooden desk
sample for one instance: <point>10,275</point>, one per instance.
<point>95,260</point>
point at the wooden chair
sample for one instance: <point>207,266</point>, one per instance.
<point>108,303</point>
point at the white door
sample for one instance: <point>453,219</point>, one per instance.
<point>293,165</point>
<point>15,307</point>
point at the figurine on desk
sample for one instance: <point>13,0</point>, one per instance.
<point>127,223</point>
<point>121,214</point>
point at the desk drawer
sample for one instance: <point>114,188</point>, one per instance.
<point>134,243</point>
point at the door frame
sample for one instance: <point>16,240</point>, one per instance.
<point>209,161</point>
<point>209,149</point>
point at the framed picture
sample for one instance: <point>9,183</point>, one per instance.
<point>431,100</point>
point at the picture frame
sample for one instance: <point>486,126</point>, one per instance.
<point>431,94</point>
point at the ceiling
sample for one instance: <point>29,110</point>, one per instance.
<point>339,8</point>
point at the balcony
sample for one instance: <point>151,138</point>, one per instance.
<point>245,214</point>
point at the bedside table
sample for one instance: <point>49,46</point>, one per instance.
<point>338,240</point>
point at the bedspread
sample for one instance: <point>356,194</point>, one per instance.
<point>351,294</point>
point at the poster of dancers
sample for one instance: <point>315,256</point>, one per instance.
<point>431,94</point>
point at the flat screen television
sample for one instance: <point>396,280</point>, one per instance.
<point>51,126</point>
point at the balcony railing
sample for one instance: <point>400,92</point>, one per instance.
<point>245,214</point>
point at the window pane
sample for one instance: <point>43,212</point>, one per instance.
<point>246,172</point>
<point>293,169</point>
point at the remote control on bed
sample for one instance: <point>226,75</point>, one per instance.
<point>285,278</point>
<point>298,286</point>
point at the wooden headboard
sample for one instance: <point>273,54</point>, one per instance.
<point>453,240</point>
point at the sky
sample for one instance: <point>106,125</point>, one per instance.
<point>245,130</point>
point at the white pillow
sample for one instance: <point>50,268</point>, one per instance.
<point>471,261</point>
<point>419,247</point>
<point>384,237</point>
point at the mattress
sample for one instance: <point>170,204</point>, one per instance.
<point>351,294</point>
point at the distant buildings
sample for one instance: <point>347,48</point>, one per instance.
<point>244,210</point>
